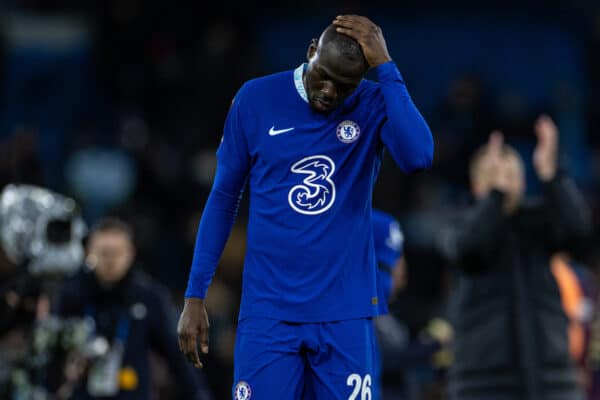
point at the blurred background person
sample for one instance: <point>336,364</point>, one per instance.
<point>592,348</point>
<point>511,330</point>
<point>391,277</point>
<point>396,352</point>
<point>135,316</point>
<point>578,291</point>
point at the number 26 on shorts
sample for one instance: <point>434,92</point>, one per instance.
<point>360,386</point>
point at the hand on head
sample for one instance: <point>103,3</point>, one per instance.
<point>367,34</point>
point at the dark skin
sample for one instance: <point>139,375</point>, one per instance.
<point>330,78</point>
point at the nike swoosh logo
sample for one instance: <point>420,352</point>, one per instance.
<point>275,132</point>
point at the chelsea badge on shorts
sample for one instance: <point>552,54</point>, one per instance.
<point>347,131</point>
<point>242,391</point>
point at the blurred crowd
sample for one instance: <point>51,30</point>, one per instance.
<point>120,105</point>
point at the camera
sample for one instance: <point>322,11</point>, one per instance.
<point>41,235</point>
<point>41,230</point>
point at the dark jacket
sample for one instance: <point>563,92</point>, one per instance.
<point>151,327</point>
<point>510,329</point>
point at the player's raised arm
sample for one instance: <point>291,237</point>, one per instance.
<point>405,134</point>
<point>214,230</point>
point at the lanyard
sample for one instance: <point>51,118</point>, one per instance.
<point>122,330</point>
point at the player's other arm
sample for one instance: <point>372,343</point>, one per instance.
<point>405,133</point>
<point>162,339</point>
<point>215,227</point>
<point>214,230</point>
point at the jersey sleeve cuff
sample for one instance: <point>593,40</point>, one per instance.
<point>195,293</point>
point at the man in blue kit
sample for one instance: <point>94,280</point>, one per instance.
<point>308,142</point>
<point>391,274</point>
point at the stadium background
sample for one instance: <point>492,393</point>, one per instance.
<point>120,104</point>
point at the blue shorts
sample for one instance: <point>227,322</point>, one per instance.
<point>293,361</point>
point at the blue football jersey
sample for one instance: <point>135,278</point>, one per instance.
<point>388,240</point>
<point>310,253</point>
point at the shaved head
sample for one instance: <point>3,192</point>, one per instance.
<point>343,45</point>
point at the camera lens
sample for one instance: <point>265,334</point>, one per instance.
<point>58,231</point>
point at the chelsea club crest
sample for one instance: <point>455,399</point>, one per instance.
<point>348,131</point>
<point>242,391</point>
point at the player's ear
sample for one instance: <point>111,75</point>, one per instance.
<point>312,49</point>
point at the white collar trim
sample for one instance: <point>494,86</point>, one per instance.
<point>298,72</point>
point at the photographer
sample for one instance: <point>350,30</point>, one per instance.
<point>133,313</point>
<point>510,328</point>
